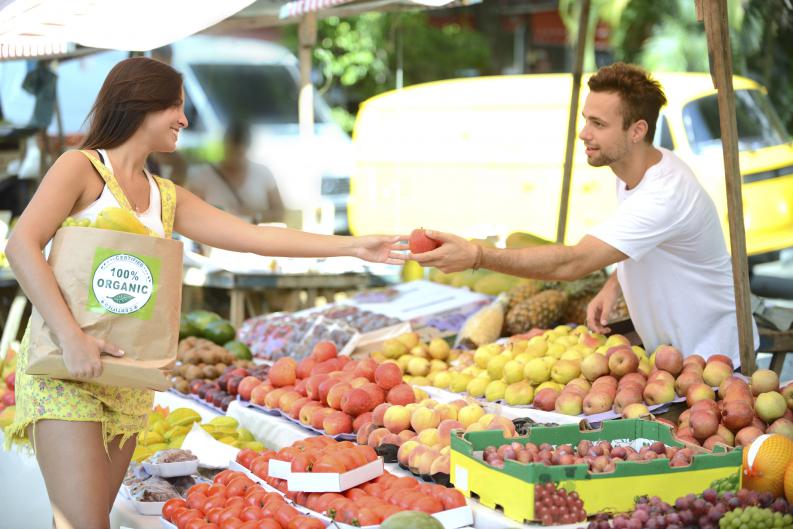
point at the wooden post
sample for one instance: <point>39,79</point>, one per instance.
<point>307,34</point>
<point>583,25</point>
<point>714,14</point>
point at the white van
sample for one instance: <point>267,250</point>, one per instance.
<point>224,77</point>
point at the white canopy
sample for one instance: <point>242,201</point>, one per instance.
<point>34,27</point>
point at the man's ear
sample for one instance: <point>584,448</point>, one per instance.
<point>638,131</point>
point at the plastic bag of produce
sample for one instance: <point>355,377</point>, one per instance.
<point>484,326</point>
<point>122,287</point>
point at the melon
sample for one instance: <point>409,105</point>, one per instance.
<point>411,520</point>
<point>765,462</point>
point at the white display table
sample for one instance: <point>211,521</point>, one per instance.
<point>25,505</point>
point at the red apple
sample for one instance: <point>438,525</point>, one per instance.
<point>420,243</point>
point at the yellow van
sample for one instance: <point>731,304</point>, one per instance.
<point>484,156</point>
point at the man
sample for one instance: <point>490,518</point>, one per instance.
<point>665,237</point>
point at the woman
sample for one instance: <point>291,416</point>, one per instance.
<point>83,433</point>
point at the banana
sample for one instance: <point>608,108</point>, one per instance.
<point>120,219</point>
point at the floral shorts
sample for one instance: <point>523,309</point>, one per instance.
<point>122,411</point>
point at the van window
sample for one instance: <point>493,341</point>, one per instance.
<point>758,124</point>
<point>262,93</point>
<point>663,138</point>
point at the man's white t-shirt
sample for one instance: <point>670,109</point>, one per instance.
<point>677,281</point>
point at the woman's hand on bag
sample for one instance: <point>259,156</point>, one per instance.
<point>81,355</point>
<point>380,249</point>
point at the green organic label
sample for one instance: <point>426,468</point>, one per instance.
<point>123,283</point>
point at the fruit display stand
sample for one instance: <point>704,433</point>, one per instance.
<point>512,486</point>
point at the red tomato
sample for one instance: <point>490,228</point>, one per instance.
<point>196,523</point>
<point>405,482</point>
<point>255,496</point>
<point>368,517</point>
<point>355,493</point>
<point>231,523</point>
<point>306,522</point>
<point>303,462</point>
<point>214,501</point>
<point>196,500</point>
<point>213,514</point>
<point>427,504</point>
<point>285,513</point>
<point>245,456</point>
<point>233,511</point>
<point>268,523</point>
<point>234,501</point>
<point>238,486</point>
<point>225,476</point>
<point>171,505</point>
<point>452,499</point>
<point>251,514</point>
<point>217,489</point>
<point>182,518</point>
<point>329,463</point>
<point>201,487</point>
<point>248,525</point>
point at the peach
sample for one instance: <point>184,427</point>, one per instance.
<point>425,460</point>
<point>379,413</point>
<point>470,414</point>
<point>355,402</point>
<point>407,435</point>
<point>441,465</point>
<point>363,432</point>
<point>376,393</point>
<point>424,418</point>
<point>363,418</point>
<point>390,439</point>
<point>503,424</point>
<point>429,437</point>
<point>446,411</point>
<point>396,419</point>
<point>376,437</point>
<point>366,368</point>
<point>401,394</point>
<point>387,375</point>
<point>337,422</point>
<point>336,393</point>
<point>404,451</point>
<point>445,429</point>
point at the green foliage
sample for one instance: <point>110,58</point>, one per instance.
<point>360,53</point>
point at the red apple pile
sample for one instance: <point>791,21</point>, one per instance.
<point>739,412</point>
<point>601,457</point>
<point>329,392</point>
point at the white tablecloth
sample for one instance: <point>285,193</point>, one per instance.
<point>25,505</point>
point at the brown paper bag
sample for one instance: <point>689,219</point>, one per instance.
<point>121,287</point>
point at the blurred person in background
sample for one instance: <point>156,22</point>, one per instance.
<point>236,184</point>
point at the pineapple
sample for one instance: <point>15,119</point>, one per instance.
<point>580,293</point>
<point>524,291</point>
<point>542,310</point>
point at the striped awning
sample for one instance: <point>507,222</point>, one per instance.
<point>37,27</point>
<point>298,8</point>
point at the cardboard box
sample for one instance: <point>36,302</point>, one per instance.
<point>512,487</point>
<point>450,519</point>
<point>333,482</point>
<point>279,469</point>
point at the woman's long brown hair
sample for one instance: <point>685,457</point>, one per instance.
<point>132,89</point>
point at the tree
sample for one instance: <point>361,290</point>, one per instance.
<point>359,54</point>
